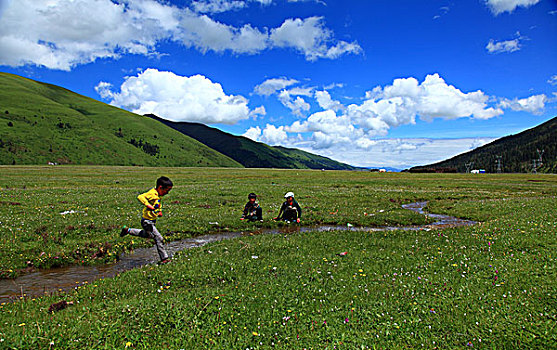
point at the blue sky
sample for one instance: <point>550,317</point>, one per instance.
<point>382,83</point>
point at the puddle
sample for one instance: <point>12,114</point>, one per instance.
<point>51,281</point>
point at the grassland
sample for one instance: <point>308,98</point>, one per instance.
<point>486,286</point>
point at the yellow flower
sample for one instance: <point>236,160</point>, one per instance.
<point>21,324</point>
<point>128,344</point>
<point>255,333</point>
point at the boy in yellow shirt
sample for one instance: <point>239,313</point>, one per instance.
<point>152,210</point>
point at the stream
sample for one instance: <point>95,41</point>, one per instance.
<point>51,281</point>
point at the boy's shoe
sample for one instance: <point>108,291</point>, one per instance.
<point>125,231</point>
<point>165,261</point>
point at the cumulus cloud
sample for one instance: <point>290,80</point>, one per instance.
<point>297,105</point>
<point>178,98</point>
<point>404,100</point>
<point>499,6</point>
<point>271,86</point>
<point>367,152</point>
<point>258,111</point>
<point>310,37</point>
<point>61,34</point>
<point>354,127</point>
<point>326,102</point>
<point>253,133</point>
<point>270,135</point>
<point>534,104</point>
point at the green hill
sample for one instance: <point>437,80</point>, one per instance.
<point>517,153</point>
<point>42,123</point>
<point>252,154</point>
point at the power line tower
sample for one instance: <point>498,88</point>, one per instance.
<point>499,166</point>
<point>468,167</point>
<point>540,154</point>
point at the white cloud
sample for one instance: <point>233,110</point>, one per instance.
<point>253,133</point>
<point>301,91</point>
<point>178,98</point>
<point>500,6</point>
<point>104,90</point>
<point>406,98</point>
<point>326,102</point>
<point>340,131</point>
<point>553,80</point>
<point>271,86</point>
<point>205,34</point>
<point>297,105</point>
<point>503,46</point>
<point>273,135</point>
<point>61,34</point>
<point>534,104</point>
<point>217,6</point>
<point>258,111</point>
<point>310,37</point>
<point>270,135</point>
<point>366,152</point>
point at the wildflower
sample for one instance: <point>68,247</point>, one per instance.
<point>21,324</point>
<point>346,320</point>
<point>255,333</point>
<point>128,344</point>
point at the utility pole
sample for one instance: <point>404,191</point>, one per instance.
<point>499,167</point>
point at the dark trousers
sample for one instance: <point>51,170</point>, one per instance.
<point>290,214</point>
<point>254,216</point>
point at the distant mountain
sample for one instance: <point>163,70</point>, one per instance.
<point>517,153</point>
<point>42,123</point>
<point>252,154</point>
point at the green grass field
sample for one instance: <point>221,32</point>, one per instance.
<point>491,285</point>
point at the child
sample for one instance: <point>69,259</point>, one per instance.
<point>290,209</point>
<point>252,210</point>
<point>152,210</point>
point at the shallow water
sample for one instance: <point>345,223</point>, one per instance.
<point>51,281</point>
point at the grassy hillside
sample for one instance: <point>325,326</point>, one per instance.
<point>517,153</point>
<point>252,154</point>
<point>42,123</point>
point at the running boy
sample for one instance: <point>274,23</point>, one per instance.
<point>152,210</point>
<point>252,210</point>
<point>290,209</point>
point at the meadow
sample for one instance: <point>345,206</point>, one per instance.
<point>491,285</point>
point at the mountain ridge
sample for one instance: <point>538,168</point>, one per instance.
<point>253,154</point>
<point>517,153</point>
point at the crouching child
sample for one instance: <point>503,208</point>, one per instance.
<point>290,210</point>
<point>252,210</point>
